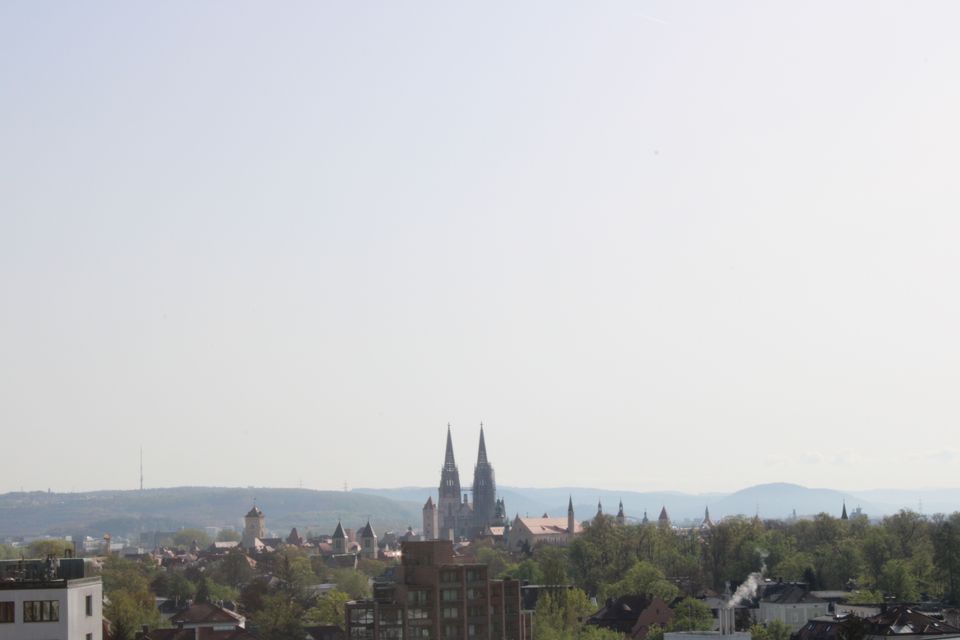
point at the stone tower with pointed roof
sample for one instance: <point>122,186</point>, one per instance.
<point>339,539</point>
<point>484,489</point>
<point>664,519</point>
<point>368,542</point>
<point>448,506</point>
<point>571,521</point>
<point>254,528</point>
<point>621,517</point>
<point>843,516</point>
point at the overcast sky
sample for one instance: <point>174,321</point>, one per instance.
<point>651,245</point>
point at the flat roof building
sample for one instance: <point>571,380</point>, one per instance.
<point>49,600</point>
<point>434,597</point>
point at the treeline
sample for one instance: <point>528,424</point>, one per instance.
<point>907,556</point>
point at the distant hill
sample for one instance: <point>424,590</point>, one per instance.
<point>775,500</point>
<point>129,512</point>
<point>125,512</point>
<point>779,500</point>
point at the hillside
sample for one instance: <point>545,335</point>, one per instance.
<point>129,512</point>
<point>122,512</point>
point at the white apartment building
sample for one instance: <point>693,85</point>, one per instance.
<point>40,605</point>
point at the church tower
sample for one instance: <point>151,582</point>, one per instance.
<point>448,506</point>
<point>339,539</point>
<point>484,489</point>
<point>430,524</point>
<point>254,527</point>
<point>368,542</point>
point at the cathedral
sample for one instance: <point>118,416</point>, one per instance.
<point>453,518</point>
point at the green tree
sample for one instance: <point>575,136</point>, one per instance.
<point>280,618</point>
<point>44,548</point>
<point>553,563</point>
<point>330,609</point>
<point>759,632</point>
<point>228,535</point>
<point>642,578</point>
<point>131,602</point>
<point>946,552</point>
<point>559,615</point>
<point>777,630</point>
<point>9,552</point>
<point>203,591</point>
<point>351,582</point>
<point>186,537</point>
<point>865,597</point>
<point>878,548</point>
<point>897,581</point>
<point>691,614</point>
<point>233,570</point>
<point>599,555</point>
<point>655,632</point>
<point>495,559</point>
<point>527,570</point>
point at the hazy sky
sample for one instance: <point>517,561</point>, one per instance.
<point>652,245</point>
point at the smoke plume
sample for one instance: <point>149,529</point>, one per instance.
<point>748,589</point>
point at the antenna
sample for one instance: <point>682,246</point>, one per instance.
<point>141,468</point>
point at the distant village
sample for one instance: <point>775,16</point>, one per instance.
<point>470,572</point>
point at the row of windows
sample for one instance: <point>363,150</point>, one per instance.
<point>38,610</point>
<point>41,610</point>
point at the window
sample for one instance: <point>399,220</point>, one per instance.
<point>6,612</point>
<point>41,610</point>
<point>89,636</point>
<point>450,612</point>
<point>89,604</point>
<point>450,595</point>
<point>415,613</point>
<point>449,576</point>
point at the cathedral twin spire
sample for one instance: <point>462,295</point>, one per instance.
<point>485,503</point>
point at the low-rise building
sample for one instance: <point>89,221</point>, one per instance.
<point>49,600</point>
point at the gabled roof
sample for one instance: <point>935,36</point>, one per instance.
<point>429,503</point>
<point>904,620</point>
<point>663,515</point>
<point>206,613</point>
<point>789,594</point>
<point>338,532</point>
<point>547,526</point>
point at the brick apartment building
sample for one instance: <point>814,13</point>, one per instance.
<point>434,597</point>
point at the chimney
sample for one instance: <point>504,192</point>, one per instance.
<point>726,620</point>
